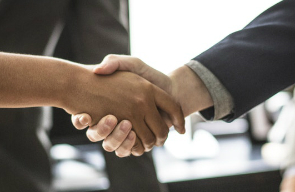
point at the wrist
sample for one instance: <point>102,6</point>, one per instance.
<point>81,84</point>
<point>189,91</point>
<point>68,84</point>
<point>62,84</point>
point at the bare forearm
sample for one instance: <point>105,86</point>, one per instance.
<point>189,90</point>
<point>28,81</point>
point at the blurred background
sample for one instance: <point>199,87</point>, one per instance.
<point>245,155</point>
<point>43,151</point>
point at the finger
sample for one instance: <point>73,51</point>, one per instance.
<point>137,149</point>
<point>81,121</point>
<point>168,105</point>
<point>109,65</point>
<point>117,137</point>
<point>145,134</point>
<point>101,130</point>
<point>112,63</point>
<point>165,117</point>
<point>157,126</point>
<point>106,69</point>
<point>125,148</point>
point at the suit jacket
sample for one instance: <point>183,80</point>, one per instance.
<point>258,61</point>
<point>92,29</point>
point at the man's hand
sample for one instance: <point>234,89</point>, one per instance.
<point>183,84</point>
<point>185,87</point>
<point>119,138</point>
<point>113,63</point>
<point>130,97</point>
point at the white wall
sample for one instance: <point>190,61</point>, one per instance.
<point>168,33</point>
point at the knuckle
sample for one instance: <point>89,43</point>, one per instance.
<point>110,57</point>
<point>125,149</point>
<point>149,143</point>
<point>103,130</point>
<point>116,141</point>
<point>161,141</point>
<point>137,150</point>
<point>122,153</point>
<point>162,138</point>
<point>90,137</point>
<point>147,86</point>
<point>163,134</point>
<point>140,100</point>
<point>111,142</point>
<point>136,147</point>
<point>107,147</point>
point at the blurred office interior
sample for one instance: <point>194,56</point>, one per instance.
<point>244,155</point>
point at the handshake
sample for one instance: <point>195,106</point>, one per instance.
<point>123,101</point>
<point>137,104</point>
<point>134,106</point>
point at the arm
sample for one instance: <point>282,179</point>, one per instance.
<point>251,65</point>
<point>258,61</point>
<point>178,84</point>
<point>183,84</point>
<point>28,81</point>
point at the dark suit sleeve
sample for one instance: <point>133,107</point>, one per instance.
<point>258,61</point>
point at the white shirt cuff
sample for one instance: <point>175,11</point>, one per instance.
<point>222,100</point>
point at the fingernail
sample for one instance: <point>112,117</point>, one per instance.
<point>110,121</point>
<point>97,68</point>
<point>125,126</point>
<point>130,136</point>
<point>83,120</point>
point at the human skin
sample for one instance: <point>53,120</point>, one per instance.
<point>33,81</point>
<point>182,84</point>
<point>288,184</point>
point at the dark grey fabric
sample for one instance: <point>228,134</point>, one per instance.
<point>27,25</point>
<point>133,173</point>
<point>24,161</point>
<point>256,62</point>
<point>92,29</point>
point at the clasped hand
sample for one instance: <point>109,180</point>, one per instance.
<point>144,111</point>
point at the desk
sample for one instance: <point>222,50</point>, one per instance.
<point>238,167</point>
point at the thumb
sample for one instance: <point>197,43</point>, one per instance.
<point>112,63</point>
<point>106,68</point>
<point>81,121</point>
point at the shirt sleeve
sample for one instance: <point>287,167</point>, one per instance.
<point>255,63</point>
<point>222,100</point>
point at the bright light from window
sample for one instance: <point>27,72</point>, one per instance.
<point>168,33</point>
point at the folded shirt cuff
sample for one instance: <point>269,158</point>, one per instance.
<point>222,100</point>
<point>290,171</point>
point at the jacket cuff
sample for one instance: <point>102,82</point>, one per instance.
<point>222,100</point>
